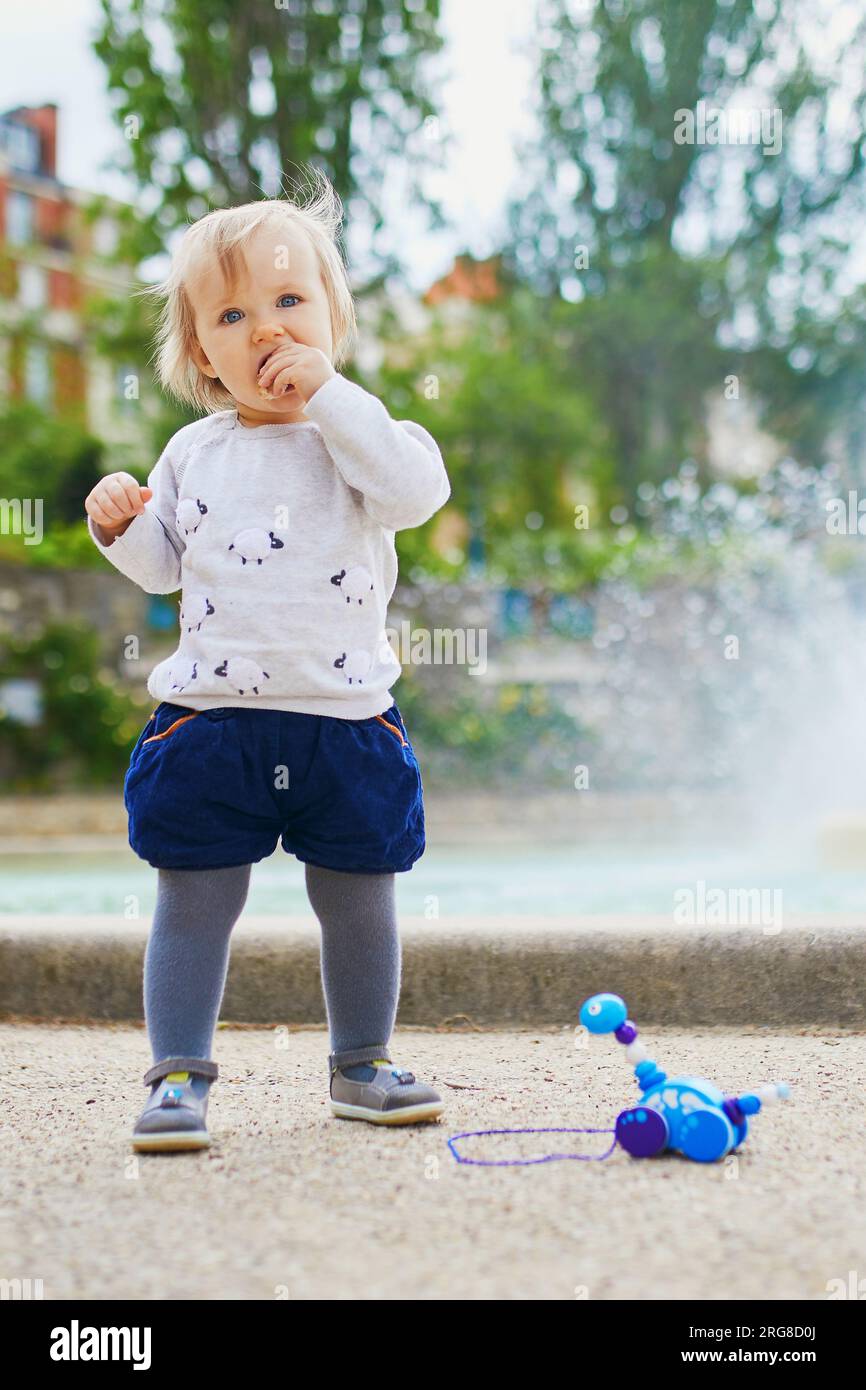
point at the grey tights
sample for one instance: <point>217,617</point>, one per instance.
<point>187,955</point>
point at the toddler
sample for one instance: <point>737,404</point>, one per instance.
<point>275,516</point>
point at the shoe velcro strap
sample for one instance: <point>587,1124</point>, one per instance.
<point>198,1066</point>
<point>375,1053</point>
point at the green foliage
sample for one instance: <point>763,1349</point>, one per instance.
<point>677,281</point>
<point>522,437</point>
<point>491,735</point>
<point>63,546</point>
<point>613,79</point>
<point>55,460</point>
<point>647,354</point>
<point>89,725</point>
<point>814,393</point>
<point>48,457</point>
<point>123,330</point>
<point>52,460</point>
<point>251,90</point>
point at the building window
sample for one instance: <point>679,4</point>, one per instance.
<point>32,286</point>
<point>19,218</point>
<point>22,146</point>
<point>105,236</point>
<point>37,373</point>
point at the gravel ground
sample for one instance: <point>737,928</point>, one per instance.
<point>290,1202</point>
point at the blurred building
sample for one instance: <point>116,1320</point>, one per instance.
<point>394,315</point>
<point>468,281</point>
<point>55,254</point>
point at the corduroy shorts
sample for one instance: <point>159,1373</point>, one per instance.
<point>220,787</point>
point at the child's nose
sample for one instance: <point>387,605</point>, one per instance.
<point>268,332</point>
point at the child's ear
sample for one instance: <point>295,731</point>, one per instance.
<point>200,359</point>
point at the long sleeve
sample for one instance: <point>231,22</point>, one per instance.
<point>150,549</point>
<point>395,464</point>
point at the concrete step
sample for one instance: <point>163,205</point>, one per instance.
<point>488,971</point>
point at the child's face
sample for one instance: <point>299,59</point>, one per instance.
<point>238,326</point>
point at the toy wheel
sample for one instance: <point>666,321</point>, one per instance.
<point>642,1132</point>
<point>706,1135</point>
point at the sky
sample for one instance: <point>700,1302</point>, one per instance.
<point>47,57</point>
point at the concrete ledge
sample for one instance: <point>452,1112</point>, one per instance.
<point>503,970</point>
<point>97,821</point>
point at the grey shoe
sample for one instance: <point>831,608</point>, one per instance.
<point>174,1116</point>
<point>392,1097</point>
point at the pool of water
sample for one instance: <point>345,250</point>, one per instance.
<point>451,882</point>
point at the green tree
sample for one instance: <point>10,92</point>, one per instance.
<point>521,434</point>
<point>54,462</point>
<point>220,102</point>
<point>88,724</point>
<point>687,257</point>
<point>48,457</point>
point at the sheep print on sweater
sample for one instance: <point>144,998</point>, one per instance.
<point>280,539</point>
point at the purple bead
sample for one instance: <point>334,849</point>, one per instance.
<point>733,1111</point>
<point>626,1032</point>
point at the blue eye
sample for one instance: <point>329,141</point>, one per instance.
<point>224,318</point>
<point>286,296</point>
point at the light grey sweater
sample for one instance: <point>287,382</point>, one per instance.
<point>281,540</point>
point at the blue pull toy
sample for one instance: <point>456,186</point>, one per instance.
<point>685,1113</point>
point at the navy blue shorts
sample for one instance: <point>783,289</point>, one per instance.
<point>208,789</point>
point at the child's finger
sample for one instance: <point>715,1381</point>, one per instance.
<point>276,361</point>
<point>123,490</point>
<point>110,507</point>
<point>267,373</point>
<point>134,493</point>
<point>104,512</point>
<point>102,518</point>
<point>282,382</point>
<point>116,498</point>
<point>135,501</point>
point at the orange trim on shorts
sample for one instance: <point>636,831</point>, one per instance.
<point>171,728</point>
<point>392,727</point>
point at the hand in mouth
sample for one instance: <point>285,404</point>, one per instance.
<point>263,390</point>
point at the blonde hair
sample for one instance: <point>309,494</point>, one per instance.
<point>220,234</point>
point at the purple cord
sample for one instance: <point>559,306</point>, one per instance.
<point>520,1162</point>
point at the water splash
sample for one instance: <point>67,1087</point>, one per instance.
<point>740,665</point>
